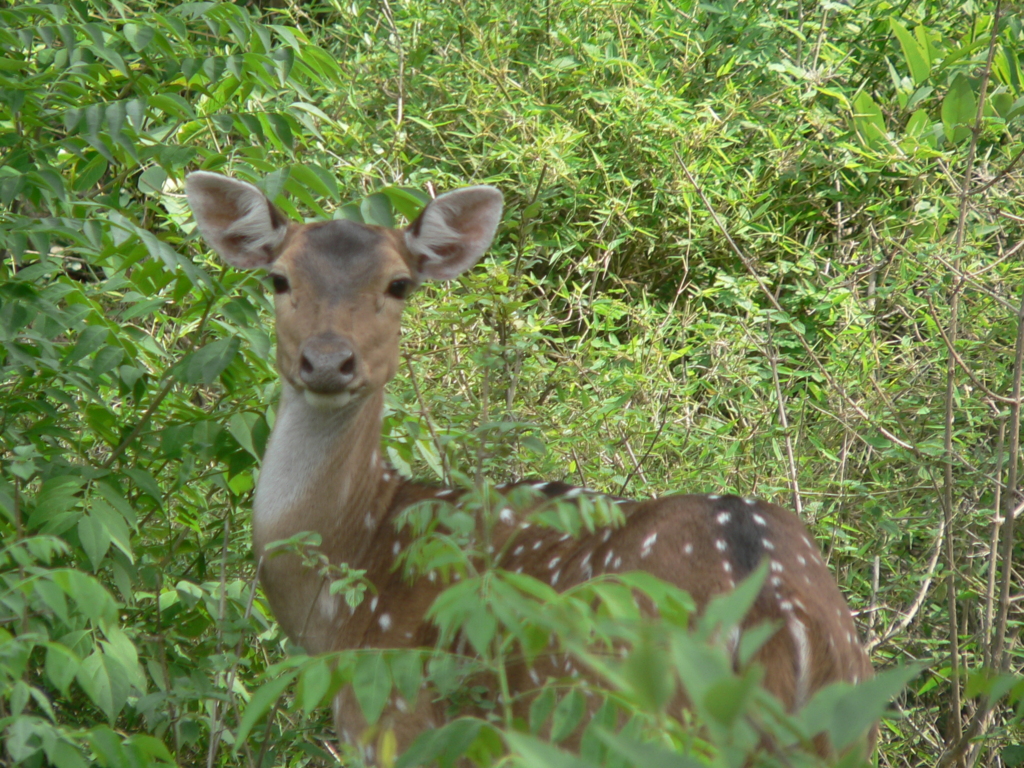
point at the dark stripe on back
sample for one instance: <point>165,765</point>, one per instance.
<point>742,535</point>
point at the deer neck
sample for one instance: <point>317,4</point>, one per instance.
<point>322,473</point>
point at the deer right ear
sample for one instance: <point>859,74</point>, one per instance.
<point>236,219</point>
<point>453,231</point>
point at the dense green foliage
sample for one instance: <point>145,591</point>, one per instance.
<point>759,247</point>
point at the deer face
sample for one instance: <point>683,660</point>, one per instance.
<point>340,286</point>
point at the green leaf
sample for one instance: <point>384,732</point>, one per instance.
<point>61,666</point>
<point>262,700</point>
<point>730,697</point>
<point>868,120</point>
<point>151,182</point>
<point>445,745</point>
<point>376,209</point>
<point>568,715</point>
<point>959,109</point>
<point>408,202</point>
<point>646,755</point>
<point>1012,755</point>
<point>407,673</point>
<point>917,61</point>
<point>538,754</point>
<point>206,364</point>
<point>95,540</point>
<point>314,683</point>
<point>540,709</point>
<point>104,682</point>
<point>138,36</point>
<point>845,712</point>
<point>648,674</point>
<point>480,627</point>
<point>371,684</point>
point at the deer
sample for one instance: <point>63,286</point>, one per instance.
<point>339,291</point>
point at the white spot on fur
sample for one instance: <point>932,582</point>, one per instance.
<point>786,605</point>
<point>368,520</point>
<point>618,563</point>
<point>759,519</point>
<point>607,534</point>
<point>727,566</point>
<point>538,543</point>
<point>445,494</point>
<point>396,547</point>
<point>608,557</point>
<point>507,516</point>
<point>554,577</point>
<point>553,563</point>
<point>801,559</point>
<point>750,501</point>
<point>328,605</point>
<point>647,544</point>
<point>714,497</point>
<point>777,566</point>
<point>688,549</point>
<point>720,545</point>
<point>518,550</point>
<point>767,544</point>
<point>534,676</point>
<point>373,605</point>
<point>385,621</point>
<point>722,518</point>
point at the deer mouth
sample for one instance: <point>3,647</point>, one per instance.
<point>330,401</point>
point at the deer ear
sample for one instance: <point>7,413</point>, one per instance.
<point>453,231</point>
<point>236,219</point>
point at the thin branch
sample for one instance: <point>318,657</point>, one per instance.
<point>911,613</point>
<point>425,412</point>
<point>794,480</point>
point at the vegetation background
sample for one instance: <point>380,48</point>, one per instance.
<point>764,247</point>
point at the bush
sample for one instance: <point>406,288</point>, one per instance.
<point>755,247</point>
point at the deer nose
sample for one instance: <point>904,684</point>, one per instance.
<point>327,364</point>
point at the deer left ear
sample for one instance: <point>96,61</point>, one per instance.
<point>454,231</point>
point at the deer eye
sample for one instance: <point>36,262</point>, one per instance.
<point>399,288</point>
<point>280,283</point>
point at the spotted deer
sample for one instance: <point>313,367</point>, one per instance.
<point>340,288</point>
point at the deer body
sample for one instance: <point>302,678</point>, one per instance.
<point>340,288</point>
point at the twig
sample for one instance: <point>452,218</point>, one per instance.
<point>993,549</point>
<point>654,442</point>
<point>430,422</point>
<point>520,244</point>
<point>401,62</point>
<point>911,613</point>
<point>999,653</point>
<point>794,481</point>
<point>999,175</point>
